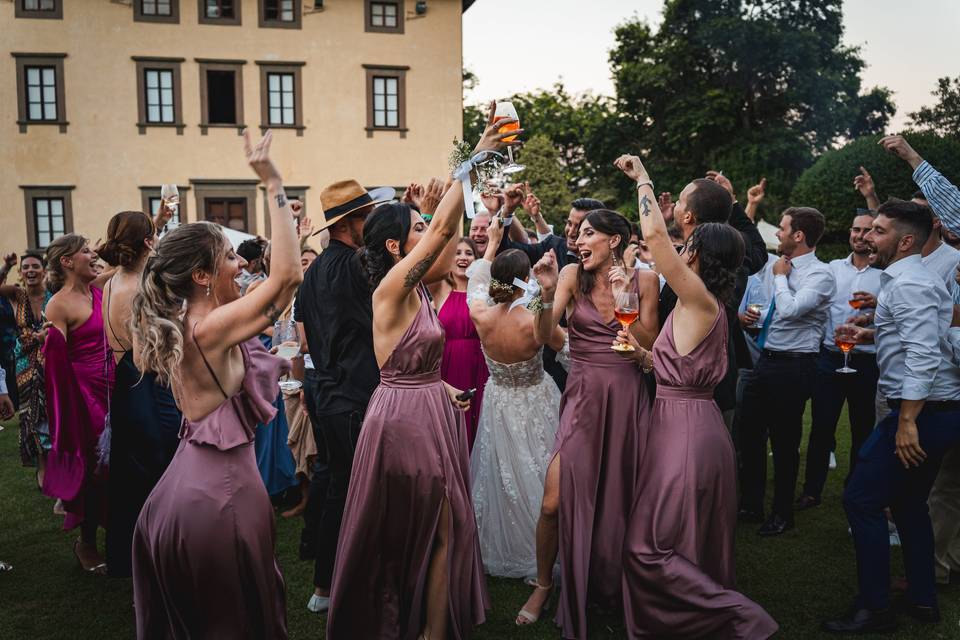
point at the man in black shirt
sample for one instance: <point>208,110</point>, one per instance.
<point>565,248</point>
<point>334,306</point>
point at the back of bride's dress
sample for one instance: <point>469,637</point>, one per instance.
<point>515,434</point>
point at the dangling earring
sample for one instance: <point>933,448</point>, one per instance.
<point>208,290</point>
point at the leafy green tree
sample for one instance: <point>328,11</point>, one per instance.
<point>943,117</point>
<point>741,86</point>
<point>828,184</point>
<point>547,177</point>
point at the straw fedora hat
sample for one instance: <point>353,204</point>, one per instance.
<point>343,198</point>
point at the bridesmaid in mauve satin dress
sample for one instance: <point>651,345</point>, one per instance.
<point>678,575</point>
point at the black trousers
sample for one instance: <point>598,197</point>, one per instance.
<point>321,475</point>
<point>773,404</point>
<point>340,433</point>
<point>830,391</point>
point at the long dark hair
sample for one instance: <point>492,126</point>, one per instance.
<point>719,248</point>
<point>612,224</point>
<point>387,222</point>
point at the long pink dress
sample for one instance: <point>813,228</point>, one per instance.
<point>411,457</point>
<point>604,415</point>
<point>463,365</point>
<point>678,562</point>
<point>79,376</point>
<point>203,550</point>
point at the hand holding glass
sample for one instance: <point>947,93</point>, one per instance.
<point>626,310</point>
<point>286,339</point>
<point>506,111</point>
<point>845,340</point>
<point>170,196</point>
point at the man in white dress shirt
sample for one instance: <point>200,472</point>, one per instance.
<point>853,275</point>
<point>900,460</point>
<point>783,379</point>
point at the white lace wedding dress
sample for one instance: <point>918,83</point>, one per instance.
<point>517,427</point>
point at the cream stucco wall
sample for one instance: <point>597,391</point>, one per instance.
<point>107,160</point>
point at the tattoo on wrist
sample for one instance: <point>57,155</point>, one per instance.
<point>281,200</point>
<point>272,312</point>
<point>645,205</point>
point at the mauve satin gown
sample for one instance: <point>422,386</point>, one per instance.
<point>203,550</point>
<point>411,456</point>
<point>604,415</point>
<point>463,365</point>
<point>679,557</point>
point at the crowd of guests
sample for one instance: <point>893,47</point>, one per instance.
<point>457,406</point>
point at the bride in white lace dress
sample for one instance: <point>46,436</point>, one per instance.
<point>519,417</point>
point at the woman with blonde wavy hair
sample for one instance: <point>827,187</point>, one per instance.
<point>203,548</point>
<point>78,374</point>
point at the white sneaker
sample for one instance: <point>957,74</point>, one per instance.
<point>833,461</point>
<point>318,604</point>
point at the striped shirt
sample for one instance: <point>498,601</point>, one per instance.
<point>943,196</point>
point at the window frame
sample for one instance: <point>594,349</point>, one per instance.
<point>20,12</point>
<point>140,16</point>
<point>145,63</point>
<point>55,60</point>
<point>235,21</point>
<point>204,189</point>
<point>266,68</point>
<point>34,192</point>
<point>212,64</point>
<point>387,71</point>
<point>296,23</point>
<point>368,17</point>
<point>149,192</point>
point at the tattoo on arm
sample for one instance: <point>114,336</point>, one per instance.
<point>416,273</point>
<point>281,200</point>
<point>645,205</point>
<point>272,312</point>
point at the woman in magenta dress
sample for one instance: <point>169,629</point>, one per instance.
<point>203,549</point>
<point>603,420</point>
<point>408,561</point>
<point>79,375</point>
<point>678,578</point>
<point>463,365</point>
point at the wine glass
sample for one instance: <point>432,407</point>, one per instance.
<point>758,307</point>
<point>286,339</point>
<point>845,341</point>
<point>170,196</point>
<point>505,110</point>
<point>626,310</point>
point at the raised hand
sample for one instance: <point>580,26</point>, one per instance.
<point>258,156</point>
<point>632,167</point>
<point>491,198</point>
<point>306,224</point>
<point>10,260</point>
<point>531,204</point>
<point>413,194</point>
<point>757,192</point>
<point>899,146</point>
<point>492,139</point>
<point>494,232</point>
<point>513,196</point>
<point>863,183</point>
<point>432,195</point>
<point>666,205</point>
<point>546,270</point>
<point>722,180</point>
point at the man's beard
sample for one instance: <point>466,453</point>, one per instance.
<point>882,260</point>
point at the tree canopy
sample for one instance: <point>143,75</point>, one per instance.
<point>944,116</point>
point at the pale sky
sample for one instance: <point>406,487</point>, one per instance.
<point>520,45</point>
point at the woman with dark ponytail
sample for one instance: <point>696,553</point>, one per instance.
<point>78,372</point>
<point>203,548</point>
<point>144,419</point>
<point>678,573</point>
<point>408,561</point>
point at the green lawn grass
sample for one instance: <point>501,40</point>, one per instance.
<point>800,577</point>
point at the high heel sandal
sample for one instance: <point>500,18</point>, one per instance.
<point>531,618</point>
<point>96,570</point>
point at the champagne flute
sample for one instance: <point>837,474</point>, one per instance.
<point>170,196</point>
<point>505,110</point>
<point>844,340</point>
<point>626,310</point>
<point>286,339</point>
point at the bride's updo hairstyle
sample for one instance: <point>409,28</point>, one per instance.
<point>126,233</point>
<point>387,222</point>
<point>510,264</point>
<point>167,283</point>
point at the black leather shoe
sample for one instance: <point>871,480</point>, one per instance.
<point>748,515</point>
<point>858,621</point>
<point>774,526</point>
<point>806,502</point>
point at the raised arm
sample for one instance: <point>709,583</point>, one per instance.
<point>556,293</point>
<point>863,182</point>
<point>685,283</point>
<point>755,196</point>
<point>247,317</point>
<point>8,291</point>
